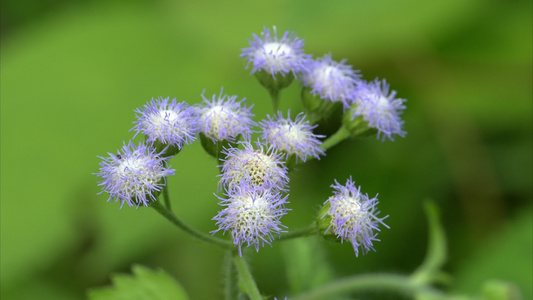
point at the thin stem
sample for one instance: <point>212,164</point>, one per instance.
<point>274,95</point>
<point>246,278</point>
<point>378,282</point>
<point>166,197</point>
<point>302,232</point>
<point>229,271</point>
<point>429,271</point>
<point>169,215</point>
<point>336,138</point>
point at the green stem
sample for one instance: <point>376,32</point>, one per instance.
<point>169,215</point>
<point>246,278</point>
<point>230,282</point>
<point>377,282</point>
<point>429,271</point>
<point>274,95</point>
<point>336,138</point>
<point>307,231</point>
<point>166,196</point>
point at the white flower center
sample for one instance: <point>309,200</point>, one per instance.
<point>253,214</point>
<point>286,136</point>
<point>135,177</point>
<point>254,167</point>
<point>275,56</point>
<point>354,217</point>
<point>276,49</point>
<point>217,120</point>
<point>168,115</point>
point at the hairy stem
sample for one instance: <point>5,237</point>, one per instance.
<point>303,232</point>
<point>246,278</point>
<point>169,215</point>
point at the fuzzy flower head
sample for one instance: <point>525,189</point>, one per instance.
<point>275,55</point>
<point>251,216</point>
<point>170,123</point>
<point>253,168</point>
<point>225,118</point>
<point>331,80</point>
<point>292,137</point>
<point>133,175</point>
<point>353,216</point>
<point>380,109</point>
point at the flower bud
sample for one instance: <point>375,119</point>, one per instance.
<point>324,224</point>
<point>274,82</point>
<point>317,108</point>
<point>357,126</point>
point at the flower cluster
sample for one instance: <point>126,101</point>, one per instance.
<point>292,137</point>
<point>275,55</point>
<point>224,118</point>
<point>255,173</point>
<point>331,80</point>
<point>326,82</point>
<point>254,180</point>
<point>252,216</point>
<point>169,123</point>
<point>379,107</point>
<point>134,175</point>
<point>352,216</point>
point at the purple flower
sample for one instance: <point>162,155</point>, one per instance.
<point>251,216</point>
<point>353,216</point>
<point>292,137</point>
<point>134,175</point>
<point>224,118</point>
<point>253,168</point>
<point>380,109</point>
<point>274,55</point>
<point>169,123</point>
<point>331,80</point>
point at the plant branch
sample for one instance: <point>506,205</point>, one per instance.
<point>378,282</point>
<point>246,278</point>
<point>169,215</point>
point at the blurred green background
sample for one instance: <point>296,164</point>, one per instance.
<point>72,72</point>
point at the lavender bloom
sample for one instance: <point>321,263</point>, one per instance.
<point>224,118</point>
<point>253,168</point>
<point>252,216</point>
<point>134,175</point>
<point>353,216</point>
<point>169,123</point>
<point>331,80</point>
<point>273,55</point>
<point>292,137</point>
<point>380,109</point>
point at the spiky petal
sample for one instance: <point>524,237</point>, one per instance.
<point>354,216</point>
<point>133,175</point>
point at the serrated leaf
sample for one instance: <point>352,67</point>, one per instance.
<point>144,284</point>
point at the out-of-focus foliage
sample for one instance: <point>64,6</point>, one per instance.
<point>145,284</point>
<point>72,75</point>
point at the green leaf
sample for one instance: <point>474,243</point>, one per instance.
<point>144,284</point>
<point>306,264</point>
<point>506,257</point>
